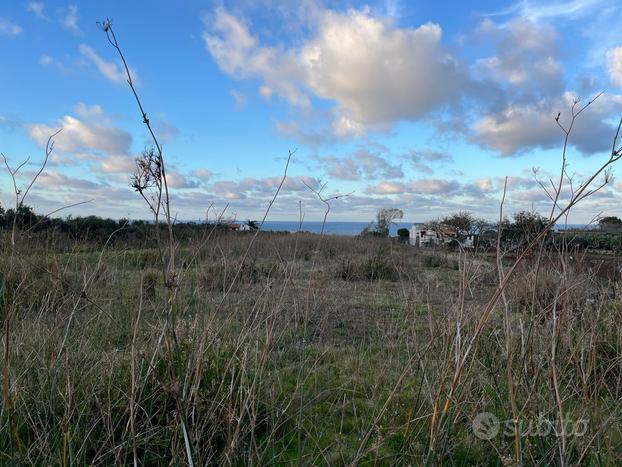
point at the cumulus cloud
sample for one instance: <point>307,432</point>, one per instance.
<point>526,56</point>
<point>89,112</point>
<point>117,164</point>
<point>109,70</point>
<point>361,164</point>
<point>614,65</point>
<point>82,134</point>
<point>202,174</point>
<point>517,128</point>
<point>373,72</point>
<point>240,189</point>
<point>485,184</point>
<point>9,29</point>
<point>238,53</point>
<point>387,188</point>
<point>365,72</point>
<point>435,186</point>
<point>180,181</point>
<point>422,158</point>
<point>57,181</point>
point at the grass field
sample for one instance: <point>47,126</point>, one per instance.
<point>322,350</point>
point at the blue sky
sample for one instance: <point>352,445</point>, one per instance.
<point>424,106</point>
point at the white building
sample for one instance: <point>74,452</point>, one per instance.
<point>420,235</point>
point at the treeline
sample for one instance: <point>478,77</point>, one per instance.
<point>100,230</point>
<point>524,226</point>
<point>596,240</point>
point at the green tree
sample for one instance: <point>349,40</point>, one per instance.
<point>253,225</point>
<point>524,228</point>
<point>403,235</point>
<point>610,224</point>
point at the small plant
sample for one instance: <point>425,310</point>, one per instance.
<point>377,267</point>
<point>151,278</point>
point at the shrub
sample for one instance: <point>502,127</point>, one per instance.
<point>378,268</point>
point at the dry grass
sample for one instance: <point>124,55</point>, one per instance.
<point>333,356</point>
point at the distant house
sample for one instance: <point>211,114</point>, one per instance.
<point>422,236</point>
<point>235,226</point>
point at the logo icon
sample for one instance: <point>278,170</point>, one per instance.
<point>485,426</point>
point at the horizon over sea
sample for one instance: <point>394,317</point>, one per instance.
<point>351,227</point>
<point>330,228</point>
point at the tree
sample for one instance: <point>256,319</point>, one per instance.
<point>526,226</point>
<point>403,235</point>
<point>252,225</point>
<point>462,223</point>
<point>610,224</point>
<point>25,217</point>
<point>384,218</point>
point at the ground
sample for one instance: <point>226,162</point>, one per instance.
<point>296,348</point>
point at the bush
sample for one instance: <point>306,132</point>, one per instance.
<point>378,268</point>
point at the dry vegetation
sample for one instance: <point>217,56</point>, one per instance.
<point>334,353</point>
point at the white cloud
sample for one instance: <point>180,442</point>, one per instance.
<point>117,164</point>
<point>9,29</point>
<point>239,54</point>
<point>344,169</point>
<point>70,20</point>
<point>180,181</point>
<point>252,187</point>
<point>421,159</point>
<point>567,9</point>
<point>430,155</point>
<point>46,60</point>
<point>110,70</point>
<point>202,174</point>
<point>614,65</point>
<point>519,128</point>
<point>526,56</point>
<point>265,92</point>
<point>485,184</point>
<point>435,186</point>
<point>38,8</point>
<point>387,188</point>
<point>377,73</point>
<point>57,181</point>
<point>89,112</point>
<point>373,72</point>
<point>82,135</point>
<point>239,98</point>
<point>362,163</point>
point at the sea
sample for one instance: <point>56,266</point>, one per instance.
<point>354,227</point>
<point>330,228</point>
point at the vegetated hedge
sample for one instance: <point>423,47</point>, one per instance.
<point>590,240</point>
<point>100,230</point>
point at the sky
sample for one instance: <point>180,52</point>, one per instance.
<point>421,106</point>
